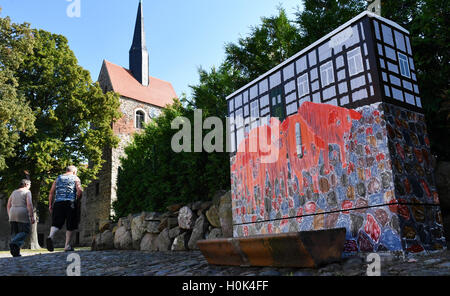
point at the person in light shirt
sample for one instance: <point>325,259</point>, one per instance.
<point>20,213</point>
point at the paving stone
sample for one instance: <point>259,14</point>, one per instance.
<point>445,265</point>
<point>185,263</point>
<point>270,273</point>
<point>303,273</point>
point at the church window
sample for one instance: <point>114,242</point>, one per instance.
<point>140,119</point>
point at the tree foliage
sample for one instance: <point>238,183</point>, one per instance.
<point>72,117</point>
<point>189,176</point>
<point>16,116</point>
<point>267,45</point>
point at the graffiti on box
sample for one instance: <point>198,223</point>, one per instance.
<point>334,170</point>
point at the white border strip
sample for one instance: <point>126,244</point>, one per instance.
<point>334,32</point>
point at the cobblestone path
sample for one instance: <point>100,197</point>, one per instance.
<point>135,263</point>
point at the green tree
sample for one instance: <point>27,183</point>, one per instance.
<point>73,118</point>
<point>319,17</point>
<point>16,116</point>
<point>267,45</point>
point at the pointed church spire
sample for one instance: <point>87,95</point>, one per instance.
<point>139,59</point>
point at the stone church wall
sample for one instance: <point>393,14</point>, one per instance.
<point>97,206</point>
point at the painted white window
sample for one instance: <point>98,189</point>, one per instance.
<point>291,109</point>
<point>301,65</point>
<point>239,119</point>
<point>231,122</point>
<point>246,110</point>
<point>239,136</point>
<point>303,85</point>
<point>230,105</point>
<point>263,86</point>
<point>275,79</point>
<point>289,87</point>
<point>245,96</point>
<point>355,63</point>
<point>400,40</point>
<point>253,91</point>
<point>326,74</point>
<point>238,101</point>
<point>404,65</point>
<point>233,142</point>
<point>377,30</point>
<point>288,72</point>
<point>339,62</point>
<point>298,140</point>
<point>312,58</point>
<point>254,110</point>
<point>264,101</point>
<point>390,53</point>
<point>290,98</point>
<point>387,35</point>
<point>140,119</point>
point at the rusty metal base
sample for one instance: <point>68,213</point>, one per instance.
<point>309,249</point>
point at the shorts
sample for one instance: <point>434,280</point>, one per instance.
<point>65,211</point>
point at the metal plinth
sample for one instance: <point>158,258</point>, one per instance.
<point>309,249</point>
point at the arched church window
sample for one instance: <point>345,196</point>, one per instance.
<point>140,119</point>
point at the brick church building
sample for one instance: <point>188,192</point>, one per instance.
<point>141,98</point>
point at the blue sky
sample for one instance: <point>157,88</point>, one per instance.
<point>181,34</point>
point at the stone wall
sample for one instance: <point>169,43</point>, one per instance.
<point>368,170</point>
<point>101,193</point>
<point>179,229</point>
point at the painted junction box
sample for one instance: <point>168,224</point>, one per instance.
<point>352,149</point>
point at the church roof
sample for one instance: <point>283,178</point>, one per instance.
<point>159,92</point>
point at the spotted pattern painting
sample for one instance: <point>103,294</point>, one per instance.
<point>366,169</point>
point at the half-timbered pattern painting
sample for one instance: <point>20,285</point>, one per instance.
<point>352,147</point>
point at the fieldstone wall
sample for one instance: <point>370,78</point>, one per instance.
<point>178,229</point>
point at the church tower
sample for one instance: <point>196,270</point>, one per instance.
<point>139,59</point>
<point>142,98</point>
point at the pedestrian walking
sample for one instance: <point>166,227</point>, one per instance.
<point>64,197</point>
<point>20,212</point>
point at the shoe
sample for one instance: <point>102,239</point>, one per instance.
<point>14,249</point>
<point>69,249</point>
<point>49,244</point>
